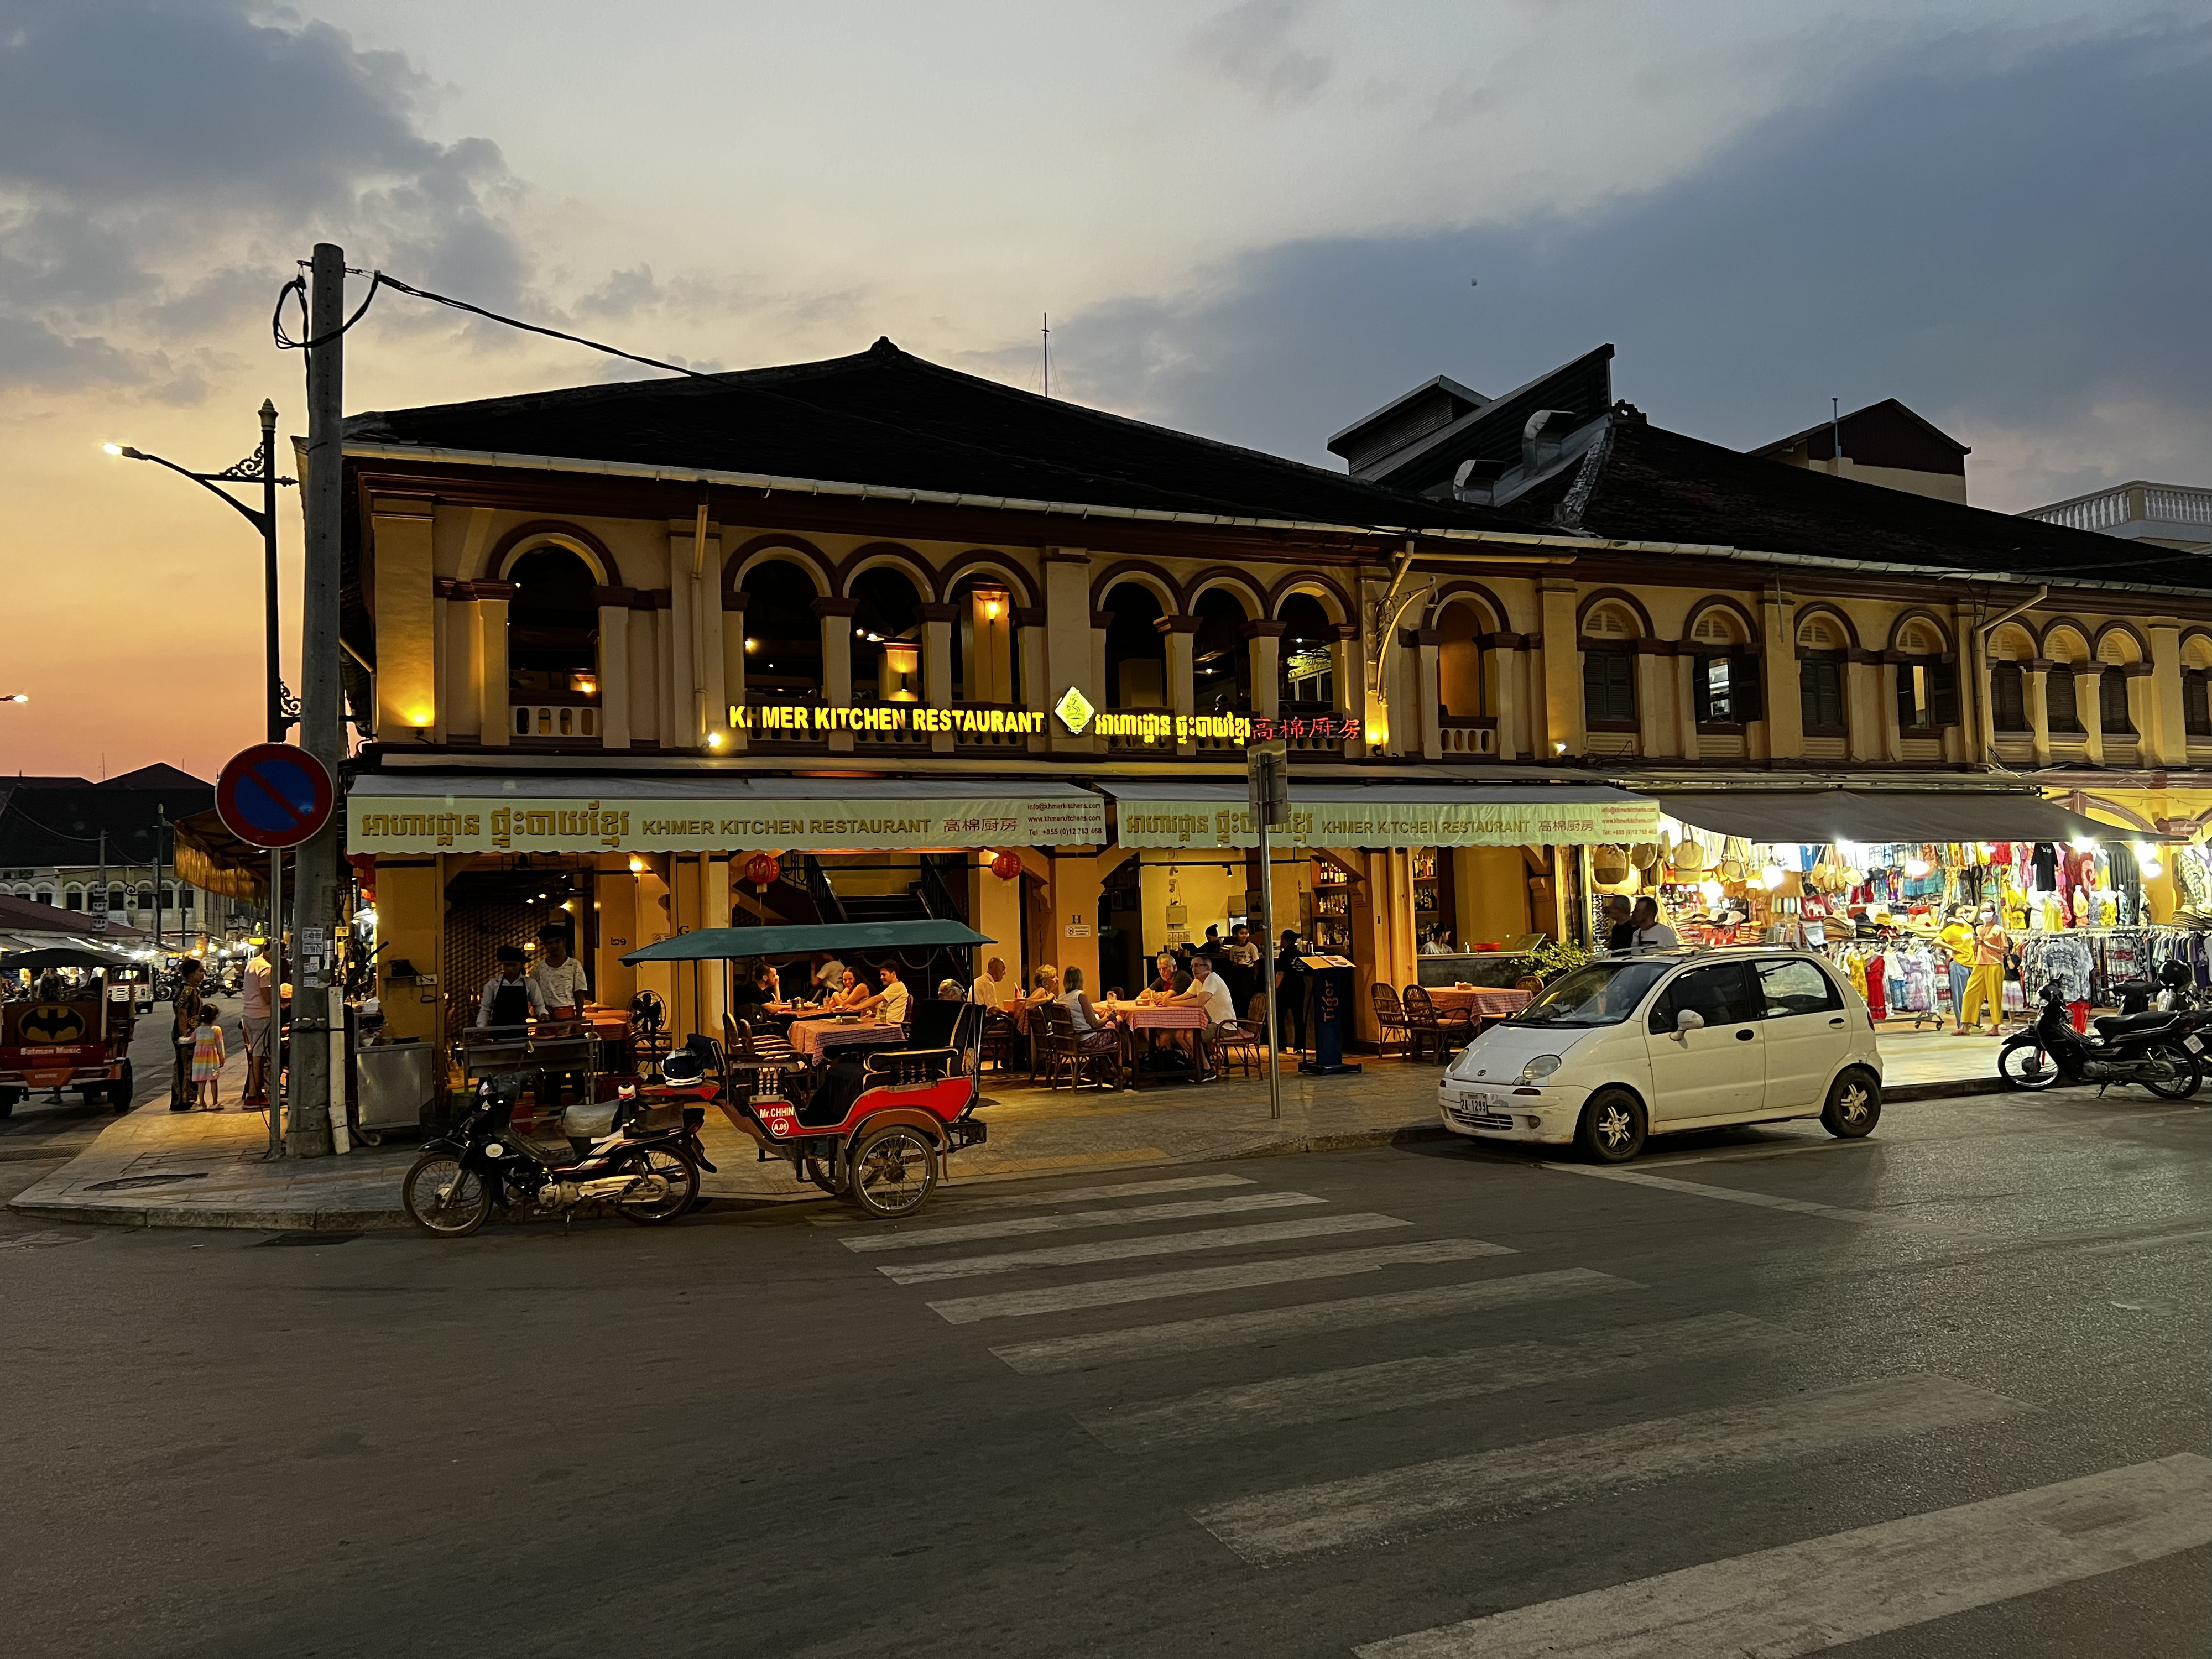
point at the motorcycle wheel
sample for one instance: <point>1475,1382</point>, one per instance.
<point>2023,1064</point>
<point>681,1174</point>
<point>443,1199</point>
<point>2191,1071</point>
<point>893,1170</point>
<point>817,1169</point>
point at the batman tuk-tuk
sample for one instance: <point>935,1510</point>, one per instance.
<point>81,1041</point>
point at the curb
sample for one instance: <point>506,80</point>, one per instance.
<point>1909,1092</point>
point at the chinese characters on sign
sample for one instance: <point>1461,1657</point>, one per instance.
<point>1301,726</point>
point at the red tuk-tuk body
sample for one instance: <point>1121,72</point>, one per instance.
<point>81,1042</point>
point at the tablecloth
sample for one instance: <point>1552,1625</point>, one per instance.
<point>810,1038</point>
<point>1481,1001</point>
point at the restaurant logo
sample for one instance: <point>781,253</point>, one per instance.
<point>1074,710</point>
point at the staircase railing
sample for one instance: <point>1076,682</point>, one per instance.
<point>827,904</point>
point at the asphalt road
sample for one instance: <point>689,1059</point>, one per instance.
<point>1940,1393</point>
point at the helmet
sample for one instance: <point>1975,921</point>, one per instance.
<point>2174,976</point>
<point>682,1070</point>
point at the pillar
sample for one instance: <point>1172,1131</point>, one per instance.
<point>1428,694</point>
<point>1035,694</point>
<point>1179,636</point>
<point>410,918</point>
<point>1348,673</point>
<point>835,617</point>
<point>2143,712</point>
<point>1784,702</point>
<point>1893,735</point>
<point>1073,901</point>
<point>2035,674</point>
<point>1682,688</point>
<point>1562,669</point>
<point>666,720</point>
<point>645,670</point>
<point>614,894</point>
<point>406,628</point>
<point>996,913</point>
<point>461,651</point>
<point>938,645</point>
<point>2088,709</point>
<point>1508,679</point>
<point>614,667</point>
<point>733,665</point>
<point>1263,647</point>
<point>2163,697</point>
<point>1071,656</point>
<point>492,599</point>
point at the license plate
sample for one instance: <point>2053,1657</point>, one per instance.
<point>1471,1102</point>
<point>2194,1044</point>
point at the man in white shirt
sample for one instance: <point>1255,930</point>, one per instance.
<point>1651,933</point>
<point>989,992</point>
<point>559,976</point>
<point>890,1004</point>
<point>254,1015</point>
<point>1210,992</point>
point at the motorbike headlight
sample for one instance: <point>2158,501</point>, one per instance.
<point>1539,1068</point>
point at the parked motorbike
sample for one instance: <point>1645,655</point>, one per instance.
<point>639,1153</point>
<point>2161,1050</point>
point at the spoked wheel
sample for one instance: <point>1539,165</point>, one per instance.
<point>817,1169</point>
<point>2024,1063</point>
<point>670,1183</point>
<point>444,1198</point>
<point>1853,1106</point>
<point>2188,1071</point>
<point>893,1169</point>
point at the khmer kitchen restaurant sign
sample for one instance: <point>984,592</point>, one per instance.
<point>1202,815</point>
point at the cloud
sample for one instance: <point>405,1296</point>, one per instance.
<point>2000,234</point>
<point>163,161</point>
<point>1249,46</point>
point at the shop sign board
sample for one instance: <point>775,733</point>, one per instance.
<point>516,824</point>
<point>881,717</point>
<point>1384,823</point>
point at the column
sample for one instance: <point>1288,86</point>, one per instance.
<point>1071,655</point>
<point>938,645</point>
<point>1654,683</point>
<point>461,656</point>
<point>1562,669</point>
<point>1179,636</point>
<point>1893,736</point>
<point>406,638</point>
<point>1030,621</point>
<point>2036,673</point>
<point>1682,696</point>
<point>1348,674</point>
<point>733,666</point>
<point>647,670</point>
<point>1507,678</point>
<point>2163,696</point>
<point>1863,679</point>
<point>2143,713</point>
<point>1428,695</point>
<point>1074,900</point>
<point>835,617</point>
<point>492,599</point>
<point>1784,704</point>
<point>614,666</point>
<point>2088,709</point>
<point>1264,647</point>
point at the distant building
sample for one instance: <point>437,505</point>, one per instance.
<point>1885,444</point>
<point>2178,516</point>
<point>52,834</point>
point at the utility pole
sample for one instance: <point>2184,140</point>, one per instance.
<point>1270,780</point>
<point>317,1068</point>
<point>161,828</point>
<point>100,922</point>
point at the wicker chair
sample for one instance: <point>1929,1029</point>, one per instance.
<point>1427,1025</point>
<point>1389,1018</point>
<point>1240,1043</point>
<point>1061,1053</point>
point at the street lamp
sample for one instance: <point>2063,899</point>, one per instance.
<point>259,467</point>
<point>16,697</point>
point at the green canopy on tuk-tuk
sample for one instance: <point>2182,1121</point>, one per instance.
<point>733,944</point>
<point>59,955</point>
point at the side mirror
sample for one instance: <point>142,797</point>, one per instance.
<point>1687,1021</point>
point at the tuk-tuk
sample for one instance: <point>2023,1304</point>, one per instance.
<point>80,1041</point>
<point>875,1125</point>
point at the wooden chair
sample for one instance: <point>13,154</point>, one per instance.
<point>997,1038</point>
<point>1428,1025</point>
<point>1240,1043</point>
<point>1061,1060</point>
<point>1389,1018</point>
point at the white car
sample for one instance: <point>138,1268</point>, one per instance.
<point>1651,1043</point>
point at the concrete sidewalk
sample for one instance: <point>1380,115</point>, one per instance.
<point>154,1168</point>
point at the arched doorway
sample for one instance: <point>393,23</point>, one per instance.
<point>1136,654</point>
<point>886,637</point>
<point>1308,657</point>
<point>783,638</point>
<point>553,645</point>
<point>1221,665</point>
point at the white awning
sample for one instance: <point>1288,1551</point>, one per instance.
<point>1386,815</point>
<point>390,813</point>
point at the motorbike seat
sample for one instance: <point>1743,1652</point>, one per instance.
<point>588,1121</point>
<point>2112,1025</point>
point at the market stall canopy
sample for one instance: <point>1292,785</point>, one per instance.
<point>62,956</point>
<point>398,812</point>
<point>211,858</point>
<point>45,924</point>
<point>722,943</point>
<point>1386,815</point>
<point>1820,816</point>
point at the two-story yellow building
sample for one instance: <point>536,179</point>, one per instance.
<point>870,637</point>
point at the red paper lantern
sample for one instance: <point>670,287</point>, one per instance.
<point>762,869</point>
<point>1006,866</point>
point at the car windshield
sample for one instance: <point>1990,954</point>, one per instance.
<point>1596,993</point>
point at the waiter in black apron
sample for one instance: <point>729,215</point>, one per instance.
<point>511,998</point>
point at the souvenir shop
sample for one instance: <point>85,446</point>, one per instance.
<point>2080,905</point>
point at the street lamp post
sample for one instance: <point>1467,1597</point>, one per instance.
<point>259,467</point>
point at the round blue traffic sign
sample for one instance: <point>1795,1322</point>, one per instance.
<point>274,795</point>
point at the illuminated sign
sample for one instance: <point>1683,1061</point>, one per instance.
<point>880,717</point>
<point>1074,710</point>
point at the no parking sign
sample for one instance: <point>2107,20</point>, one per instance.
<point>274,795</point>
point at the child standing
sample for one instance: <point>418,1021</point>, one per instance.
<point>207,1061</point>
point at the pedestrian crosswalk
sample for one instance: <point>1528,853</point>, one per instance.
<point>1452,1317</point>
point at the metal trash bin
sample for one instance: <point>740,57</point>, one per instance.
<point>398,1080</point>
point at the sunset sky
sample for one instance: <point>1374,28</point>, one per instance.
<point>1256,223</point>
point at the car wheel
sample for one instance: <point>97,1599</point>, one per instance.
<point>1612,1128</point>
<point>1853,1106</point>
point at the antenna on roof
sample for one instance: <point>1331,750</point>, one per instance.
<point>1045,377</point>
<point>1836,435</point>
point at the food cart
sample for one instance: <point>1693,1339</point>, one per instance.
<point>80,1041</point>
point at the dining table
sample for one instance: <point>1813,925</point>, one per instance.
<point>812,1038</point>
<point>1131,1017</point>
<point>1478,1002</point>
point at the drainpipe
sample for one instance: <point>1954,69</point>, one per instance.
<point>699,627</point>
<point>1980,668</point>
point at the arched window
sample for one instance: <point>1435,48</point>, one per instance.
<point>1822,646</point>
<point>1724,672</point>
<point>553,644</point>
<point>45,896</point>
<point>145,896</point>
<point>2008,696</point>
<point>2196,686</point>
<point>2112,718</point>
<point>886,636</point>
<point>2060,699</point>
<point>1136,655</point>
<point>1609,668</point>
<point>987,655</point>
<point>1461,687</point>
<point>1927,686</point>
<point>73,897</point>
<point>1307,656</point>
<point>783,637</point>
<point>1221,659</point>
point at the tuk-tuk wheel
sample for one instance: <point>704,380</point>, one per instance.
<point>8,1099</point>
<point>817,1169</point>
<point>892,1171</point>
